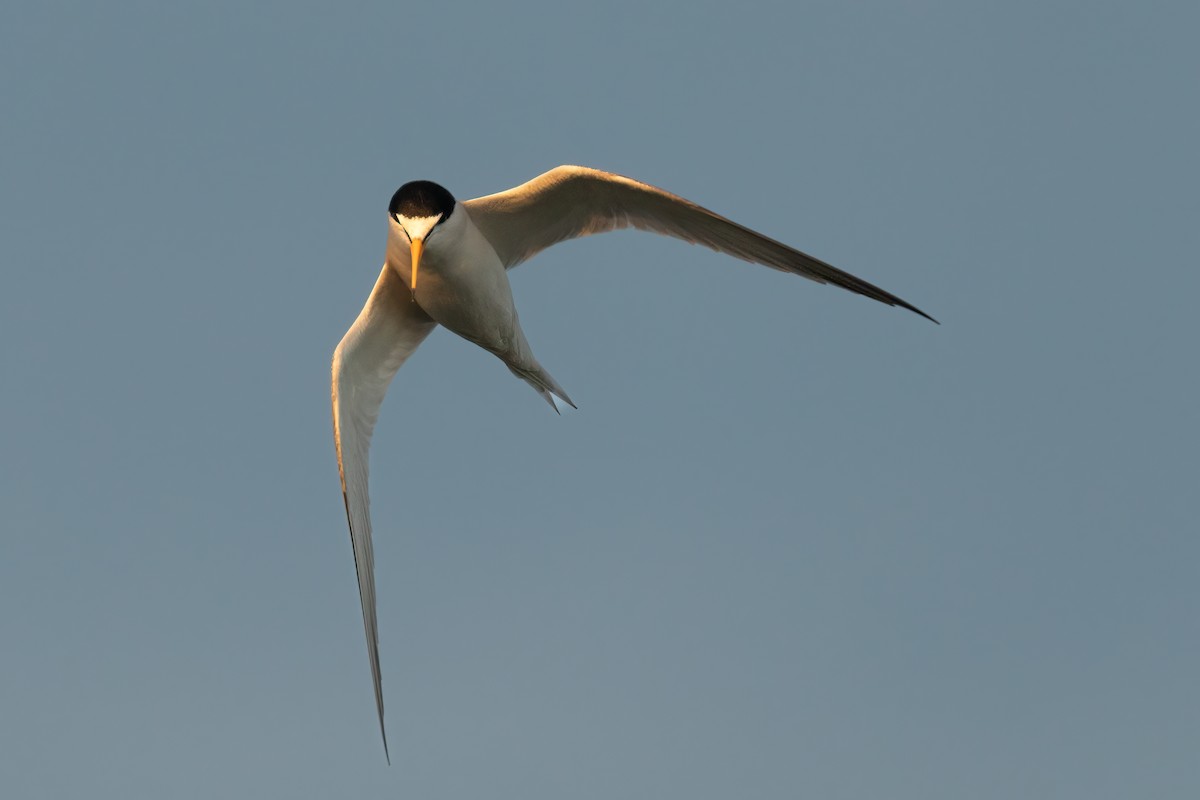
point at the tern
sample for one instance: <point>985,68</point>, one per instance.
<point>447,264</point>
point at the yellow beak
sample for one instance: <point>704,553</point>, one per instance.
<point>418,245</point>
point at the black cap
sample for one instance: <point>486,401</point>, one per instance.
<point>421,199</point>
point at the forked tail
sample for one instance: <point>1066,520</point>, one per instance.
<point>543,383</point>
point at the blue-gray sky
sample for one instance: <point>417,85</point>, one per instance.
<point>794,543</point>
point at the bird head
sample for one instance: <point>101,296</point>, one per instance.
<point>417,209</point>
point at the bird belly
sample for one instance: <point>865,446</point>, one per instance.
<point>467,291</point>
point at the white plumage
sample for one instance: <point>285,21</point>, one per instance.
<point>446,264</point>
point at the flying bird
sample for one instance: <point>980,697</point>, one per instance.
<point>447,264</point>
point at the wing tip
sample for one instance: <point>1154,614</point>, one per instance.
<point>386,754</point>
<point>916,310</point>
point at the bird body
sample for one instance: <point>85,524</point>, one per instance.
<point>447,263</point>
<point>464,287</point>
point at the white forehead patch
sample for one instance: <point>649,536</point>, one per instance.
<point>417,227</point>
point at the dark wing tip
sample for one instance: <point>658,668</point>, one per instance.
<point>830,274</point>
<point>916,310</point>
<point>859,286</point>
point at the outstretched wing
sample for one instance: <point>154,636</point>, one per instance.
<point>387,331</point>
<point>567,202</point>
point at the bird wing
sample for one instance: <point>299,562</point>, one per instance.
<point>568,202</point>
<point>387,331</point>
